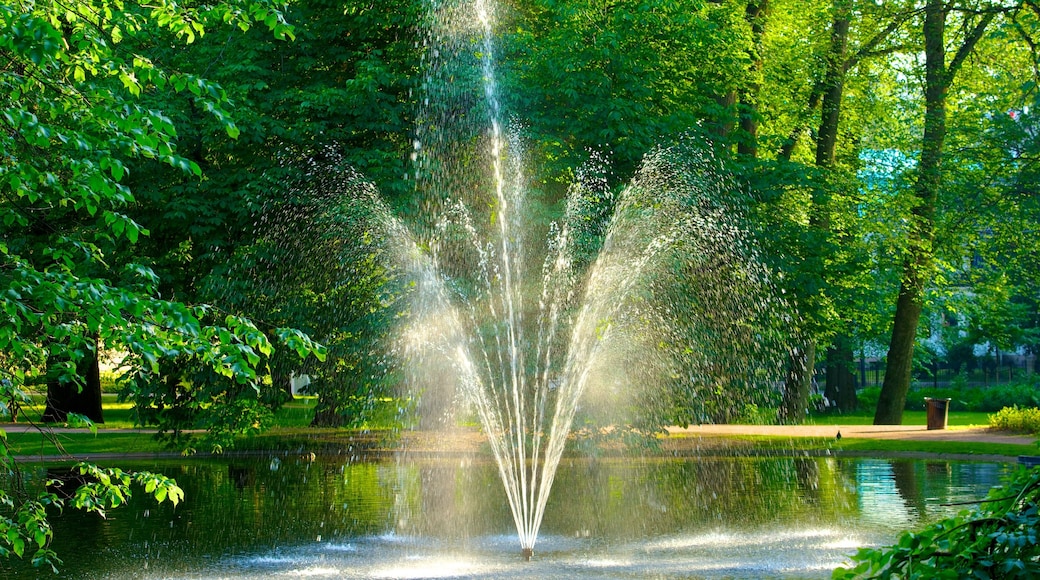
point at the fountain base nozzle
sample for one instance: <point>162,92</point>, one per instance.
<point>526,553</point>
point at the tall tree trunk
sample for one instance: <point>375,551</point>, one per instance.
<point>841,384</point>
<point>833,87</point>
<point>69,397</point>
<point>920,256</point>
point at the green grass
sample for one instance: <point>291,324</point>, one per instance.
<point>296,413</point>
<point>35,443</point>
<point>937,447</point>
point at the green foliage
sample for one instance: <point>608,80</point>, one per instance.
<point>110,382</point>
<point>76,117</point>
<point>341,89</point>
<point>323,259</point>
<point>996,539</point>
<point>1021,420</point>
<point>620,78</point>
<point>108,488</point>
<point>1022,393</point>
<point>24,529</point>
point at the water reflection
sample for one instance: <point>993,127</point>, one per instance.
<point>709,517</point>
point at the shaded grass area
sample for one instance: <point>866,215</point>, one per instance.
<point>117,415</point>
<point>35,443</point>
<point>296,413</point>
<point>937,447</point>
<point>354,442</point>
<point>290,422</point>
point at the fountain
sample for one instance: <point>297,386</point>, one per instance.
<point>610,311</point>
<point>646,306</point>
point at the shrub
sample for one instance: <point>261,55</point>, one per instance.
<point>110,382</point>
<point>960,399</point>
<point>997,539</point>
<point>867,399</point>
<point>1015,419</point>
<point>1022,393</point>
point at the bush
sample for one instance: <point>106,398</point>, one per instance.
<point>960,399</point>
<point>867,399</point>
<point>1021,393</point>
<point>1016,419</point>
<point>997,539</point>
<point>110,382</point>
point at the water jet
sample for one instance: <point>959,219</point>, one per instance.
<point>660,297</point>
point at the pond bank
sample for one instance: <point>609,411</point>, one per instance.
<point>909,441</point>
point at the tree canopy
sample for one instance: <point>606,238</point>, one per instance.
<point>158,162</point>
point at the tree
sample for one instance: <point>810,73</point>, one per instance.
<point>918,263</point>
<point>822,247</point>
<point>318,118</point>
<point>329,256</point>
<point>841,387</point>
<point>72,120</point>
<point>598,76</point>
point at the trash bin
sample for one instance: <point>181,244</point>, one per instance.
<point>938,410</point>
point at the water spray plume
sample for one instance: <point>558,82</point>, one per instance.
<point>523,358</point>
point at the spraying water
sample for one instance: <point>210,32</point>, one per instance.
<point>646,305</point>
<point>523,358</point>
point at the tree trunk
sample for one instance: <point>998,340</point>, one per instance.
<point>798,384</point>
<point>919,261</point>
<point>841,381</point>
<point>833,87</point>
<point>70,397</point>
<point>724,125</point>
<point>841,384</point>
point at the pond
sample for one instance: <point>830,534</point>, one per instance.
<point>331,517</point>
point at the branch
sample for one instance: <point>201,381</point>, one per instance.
<point>870,47</point>
<point>970,40</point>
<point>881,52</point>
<point>1033,51</point>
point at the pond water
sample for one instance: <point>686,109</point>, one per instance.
<point>710,517</point>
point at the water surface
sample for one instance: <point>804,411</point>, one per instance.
<point>714,517</point>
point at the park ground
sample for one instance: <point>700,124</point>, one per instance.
<point>967,437</point>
